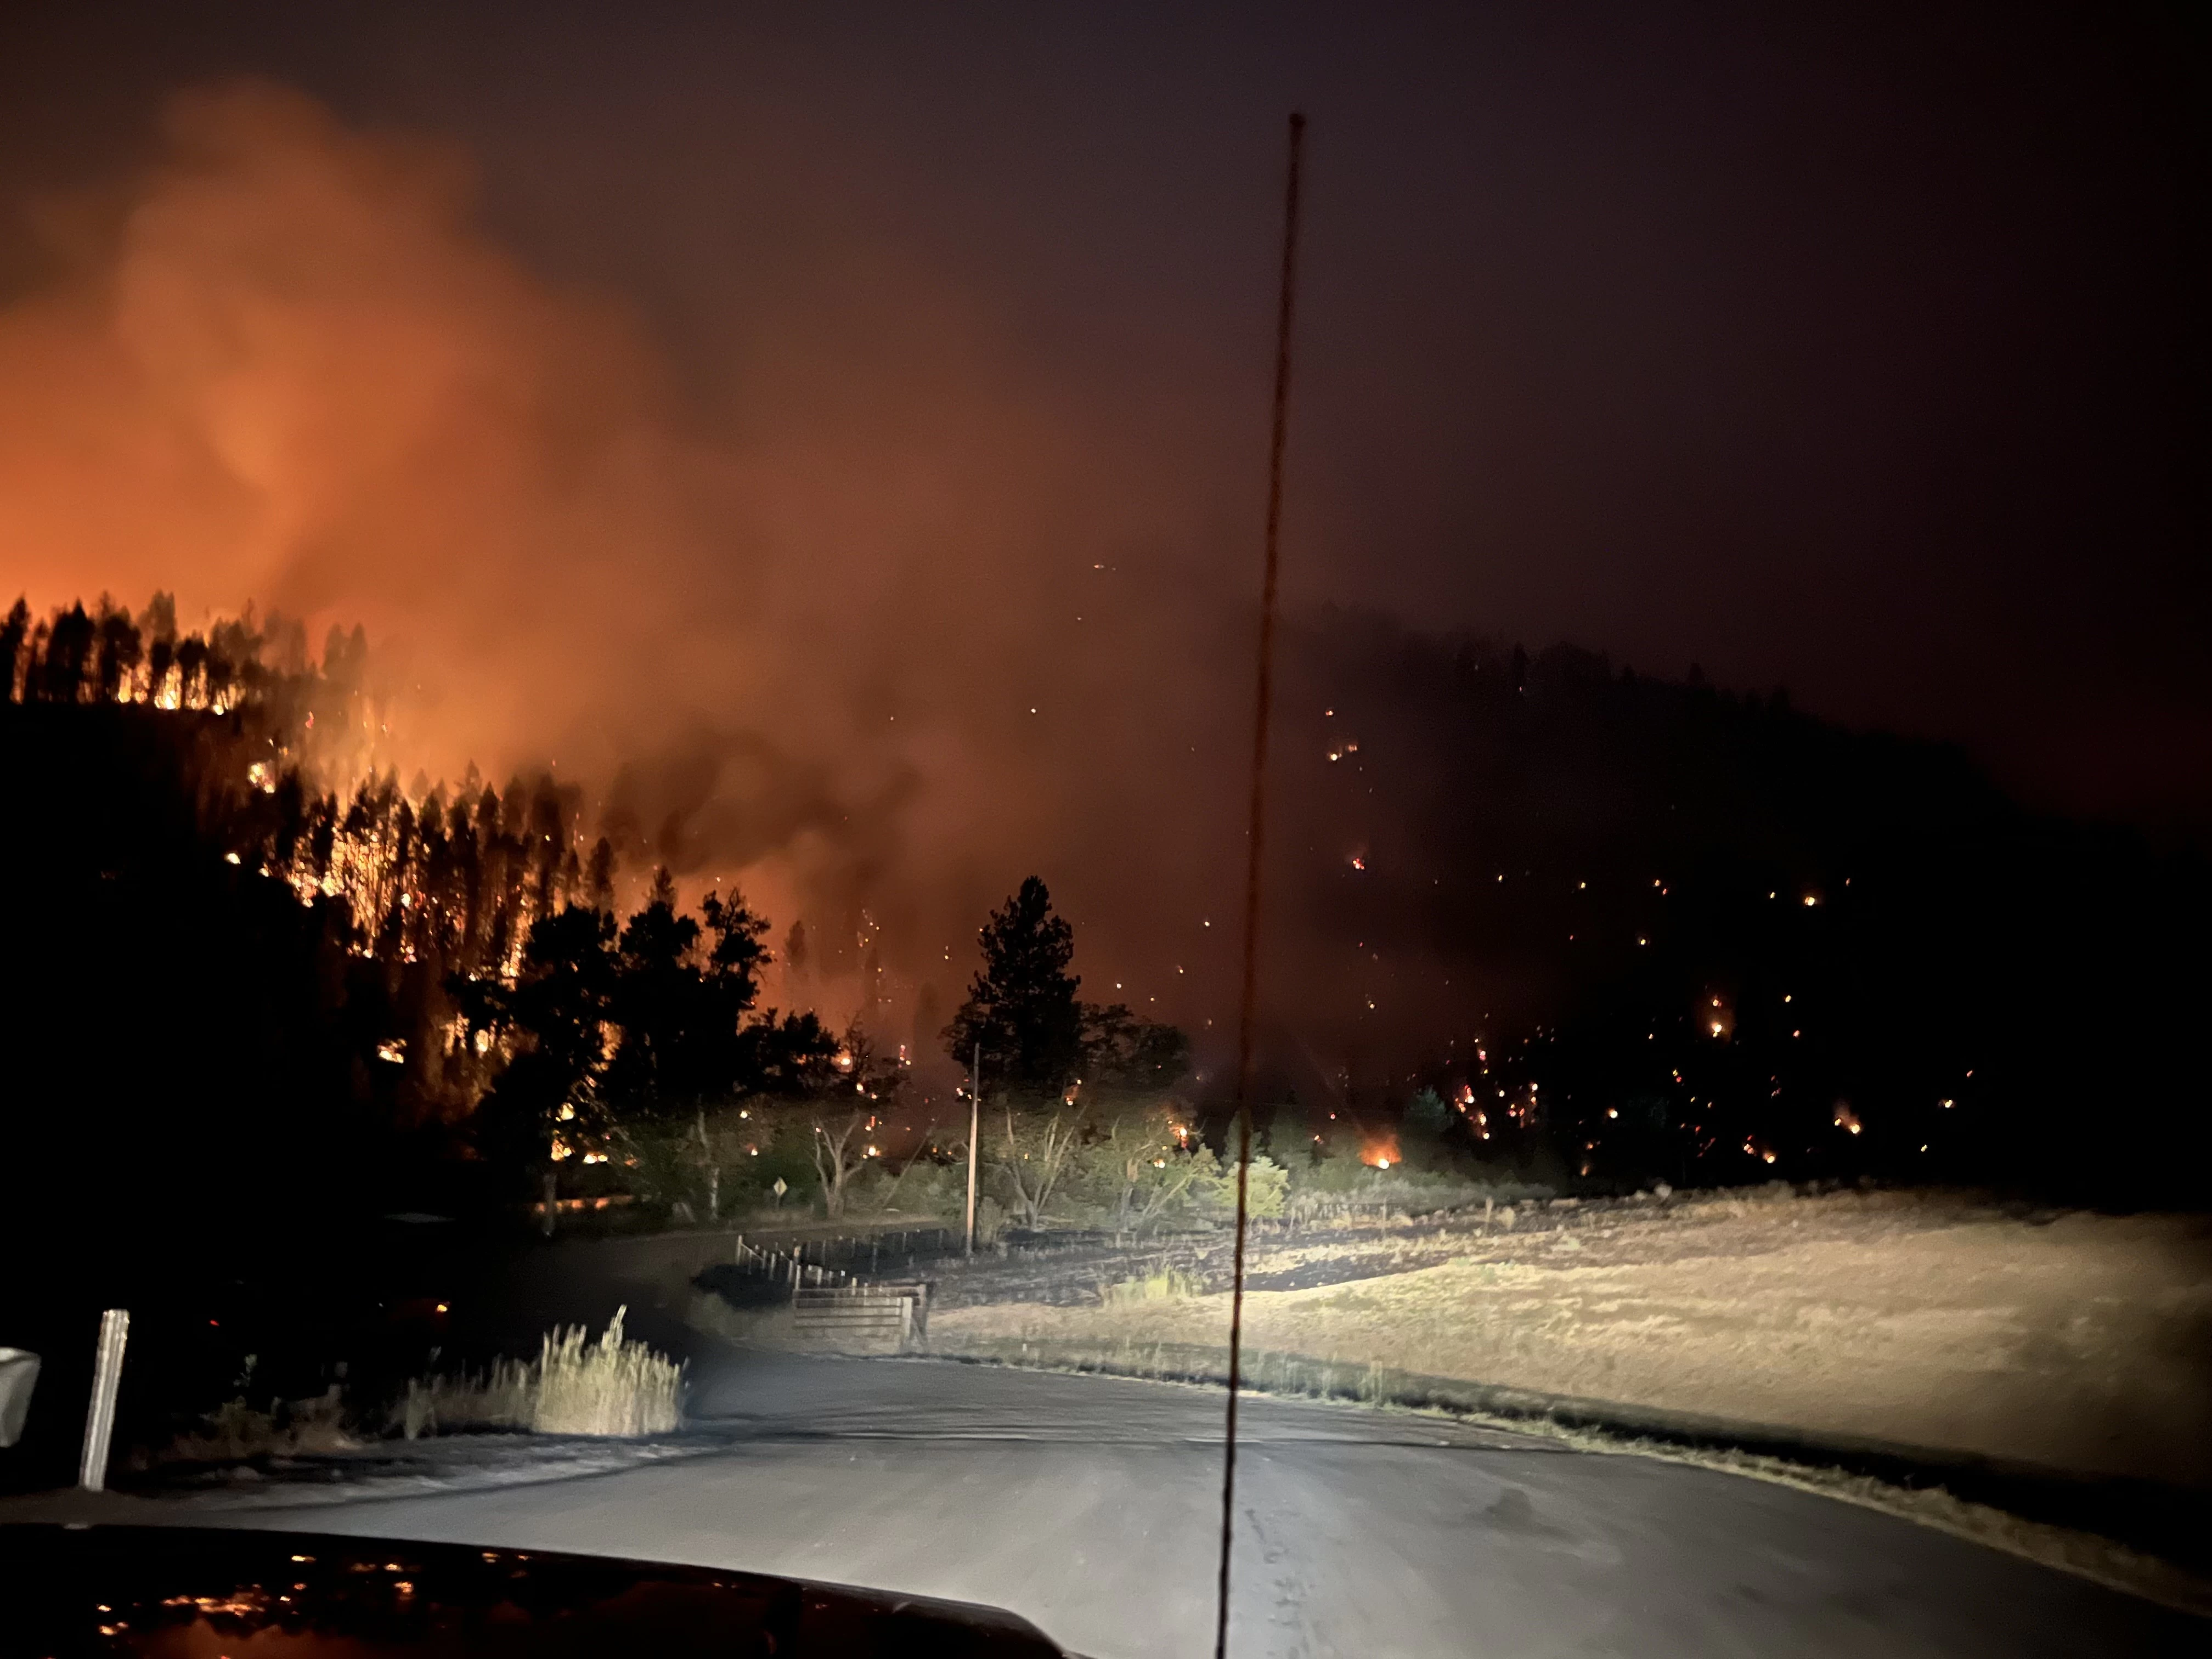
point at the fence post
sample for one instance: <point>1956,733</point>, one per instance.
<point>99,1416</point>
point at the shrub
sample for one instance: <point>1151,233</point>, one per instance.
<point>504,1397</point>
<point>610,1387</point>
<point>236,1430</point>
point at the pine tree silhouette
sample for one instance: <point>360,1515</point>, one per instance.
<point>1021,1005</point>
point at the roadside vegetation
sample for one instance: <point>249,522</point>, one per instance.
<point>612,1386</point>
<point>2069,1341</point>
<point>453,992</point>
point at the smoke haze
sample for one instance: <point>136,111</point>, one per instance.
<point>837,446</point>
<point>896,633</point>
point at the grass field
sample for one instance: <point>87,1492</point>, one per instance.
<point>2074,1342</point>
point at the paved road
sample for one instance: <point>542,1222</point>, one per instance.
<point>1090,1505</point>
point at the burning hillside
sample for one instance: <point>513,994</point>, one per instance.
<point>898,630</point>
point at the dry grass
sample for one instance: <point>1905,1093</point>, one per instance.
<point>1165,1286</point>
<point>236,1432</point>
<point>504,1397</point>
<point>609,1387</point>
<point>2082,1344</point>
<point>576,1386</point>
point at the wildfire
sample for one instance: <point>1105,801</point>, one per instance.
<point>1379,1153</point>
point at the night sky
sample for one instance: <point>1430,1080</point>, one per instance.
<point>1853,350</point>
<point>836,436</point>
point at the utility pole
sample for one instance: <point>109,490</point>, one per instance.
<point>975,1135</point>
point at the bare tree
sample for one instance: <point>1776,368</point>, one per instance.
<point>1036,1157</point>
<point>713,1167</point>
<point>1148,1164</point>
<point>1168,1184</point>
<point>920,1151</point>
<point>836,1157</point>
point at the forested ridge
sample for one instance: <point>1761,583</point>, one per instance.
<point>1535,916</point>
<point>1657,928</point>
<point>265,985</point>
<point>273,997</point>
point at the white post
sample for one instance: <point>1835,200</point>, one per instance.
<point>99,1416</point>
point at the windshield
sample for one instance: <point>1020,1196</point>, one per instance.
<point>906,799</point>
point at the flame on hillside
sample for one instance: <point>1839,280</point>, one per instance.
<point>1379,1152</point>
<point>285,361</point>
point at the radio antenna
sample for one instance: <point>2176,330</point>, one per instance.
<point>1248,1007</point>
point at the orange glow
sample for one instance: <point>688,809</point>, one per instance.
<point>1379,1153</point>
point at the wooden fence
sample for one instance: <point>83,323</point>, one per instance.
<point>863,1318</point>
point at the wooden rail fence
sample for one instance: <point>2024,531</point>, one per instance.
<point>863,1318</point>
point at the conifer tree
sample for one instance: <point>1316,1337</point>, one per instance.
<point>15,635</point>
<point>1021,1005</point>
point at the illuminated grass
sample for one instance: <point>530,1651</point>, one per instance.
<point>610,1387</point>
<point>576,1386</point>
<point>504,1397</point>
<point>2072,1343</point>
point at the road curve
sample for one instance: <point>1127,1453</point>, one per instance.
<point>1091,1506</point>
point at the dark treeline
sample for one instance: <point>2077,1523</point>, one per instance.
<point>240,1003</point>
<point>255,1030</point>
<point>1723,940</point>
<point>1623,929</point>
<point>316,714</point>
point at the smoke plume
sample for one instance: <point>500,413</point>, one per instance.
<point>887,633</point>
